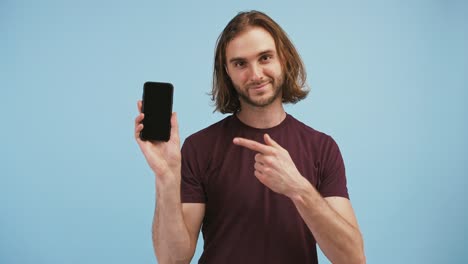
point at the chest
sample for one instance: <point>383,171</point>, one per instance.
<point>232,188</point>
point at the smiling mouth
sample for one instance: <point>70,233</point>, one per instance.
<point>259,86</point>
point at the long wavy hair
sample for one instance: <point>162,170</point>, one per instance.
<point>224,94</point>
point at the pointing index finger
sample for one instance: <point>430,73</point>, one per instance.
<point>252,145</point>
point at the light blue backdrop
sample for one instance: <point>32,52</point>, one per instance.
<point>389,83</point>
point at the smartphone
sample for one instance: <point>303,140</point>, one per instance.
<point>157,107</point>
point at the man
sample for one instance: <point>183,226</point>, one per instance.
<point>265,186</point>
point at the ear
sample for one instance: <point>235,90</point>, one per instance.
<point>226,69</point>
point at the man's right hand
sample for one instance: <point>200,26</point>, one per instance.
<point>164,158</point>
<point>176,225</point>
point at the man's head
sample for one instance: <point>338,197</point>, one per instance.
<point>253,51</point>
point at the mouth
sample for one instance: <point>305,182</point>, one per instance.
<point>259,86</point>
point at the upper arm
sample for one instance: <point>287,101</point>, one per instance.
<point>344,208</point>
<point>193,217</point>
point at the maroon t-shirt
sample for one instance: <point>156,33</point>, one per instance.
<point>246,222</point>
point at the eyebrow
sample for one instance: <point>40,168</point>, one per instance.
<point>235,59</point>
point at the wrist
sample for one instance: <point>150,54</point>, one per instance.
<point>302,192</point>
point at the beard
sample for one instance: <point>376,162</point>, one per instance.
<point>244,96</point>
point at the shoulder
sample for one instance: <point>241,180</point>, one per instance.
<point>311,134</point>
<point>316,143</point>
<point>204,146</point>
<point>208,135</point>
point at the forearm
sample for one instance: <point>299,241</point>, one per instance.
<point>171,239</point>
<point>340,241</point>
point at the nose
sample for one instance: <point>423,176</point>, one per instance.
<point>256,73</point>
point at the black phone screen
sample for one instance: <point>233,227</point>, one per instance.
<point>157,107</point>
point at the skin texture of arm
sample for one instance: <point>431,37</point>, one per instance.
<point>333,223</point>
<point>175,225</point>
<point>175,230</point>
<point>331,220</point>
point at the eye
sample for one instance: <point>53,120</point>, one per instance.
<point>239,64</point>
<point>266,58</point>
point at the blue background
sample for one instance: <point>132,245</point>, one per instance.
<point>389,83</point>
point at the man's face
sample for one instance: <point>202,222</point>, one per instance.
<point>253,65</point>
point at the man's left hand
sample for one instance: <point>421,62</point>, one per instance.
<point>274,166</point>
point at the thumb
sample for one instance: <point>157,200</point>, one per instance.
<point>269,141</point>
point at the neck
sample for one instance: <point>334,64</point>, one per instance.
<point>262,117</point>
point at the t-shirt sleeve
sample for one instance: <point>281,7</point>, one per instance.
<point>192,190</point>
<point>333,175</point>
